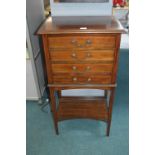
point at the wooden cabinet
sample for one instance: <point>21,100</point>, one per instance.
<point>81,52</point>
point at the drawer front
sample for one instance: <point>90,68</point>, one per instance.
<point>89,55</point>
<point>82,42</point>
<point>81,79</point>
<point>77,68</point>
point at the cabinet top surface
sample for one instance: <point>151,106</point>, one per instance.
<point>80,24</point>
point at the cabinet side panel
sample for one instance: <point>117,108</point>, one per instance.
<point>47,59</point>
<point>115,68</point>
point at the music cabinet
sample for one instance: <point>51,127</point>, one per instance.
<point>81,53</point>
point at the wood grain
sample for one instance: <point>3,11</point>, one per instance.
<point>71,25</point>
<point>81,79</point>
<point>87,55</point>
<point>82,42</point>
<point>84,68</point>
<point>75,107</point>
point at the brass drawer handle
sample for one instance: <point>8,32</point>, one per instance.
<point>73,41</point>
<point>88,68</point>
<point>74,68</point>
<point>80,46</point>
<point>88,42</point>
<point>73,55</point>
<point>89,79</point>
<point>74,79</point>
<point>88,55</point>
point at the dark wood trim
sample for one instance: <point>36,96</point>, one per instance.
<point>59,93</point>
<point>118,38</point>
<point>54,110</point>
<point>105,93</point>
<point>99,25</point>
<point>46,53</point>
<point>78,85</point>
<point>65,87</point>
<point>110,110</point>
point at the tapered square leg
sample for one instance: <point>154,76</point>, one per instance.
<point>59,93</point>
<point>54,110</point>
<point>110,110</point>
<point>108,128</point>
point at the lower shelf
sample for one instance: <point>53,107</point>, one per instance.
<point>82,107</point>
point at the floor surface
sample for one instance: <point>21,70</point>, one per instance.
<point>83,137</point>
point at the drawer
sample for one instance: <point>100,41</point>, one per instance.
<point>75,68</point>
<point>76,56</point>
<point>81,79</point>
<point>82,42</point>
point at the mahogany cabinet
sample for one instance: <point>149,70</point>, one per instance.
<point>81,53</point>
